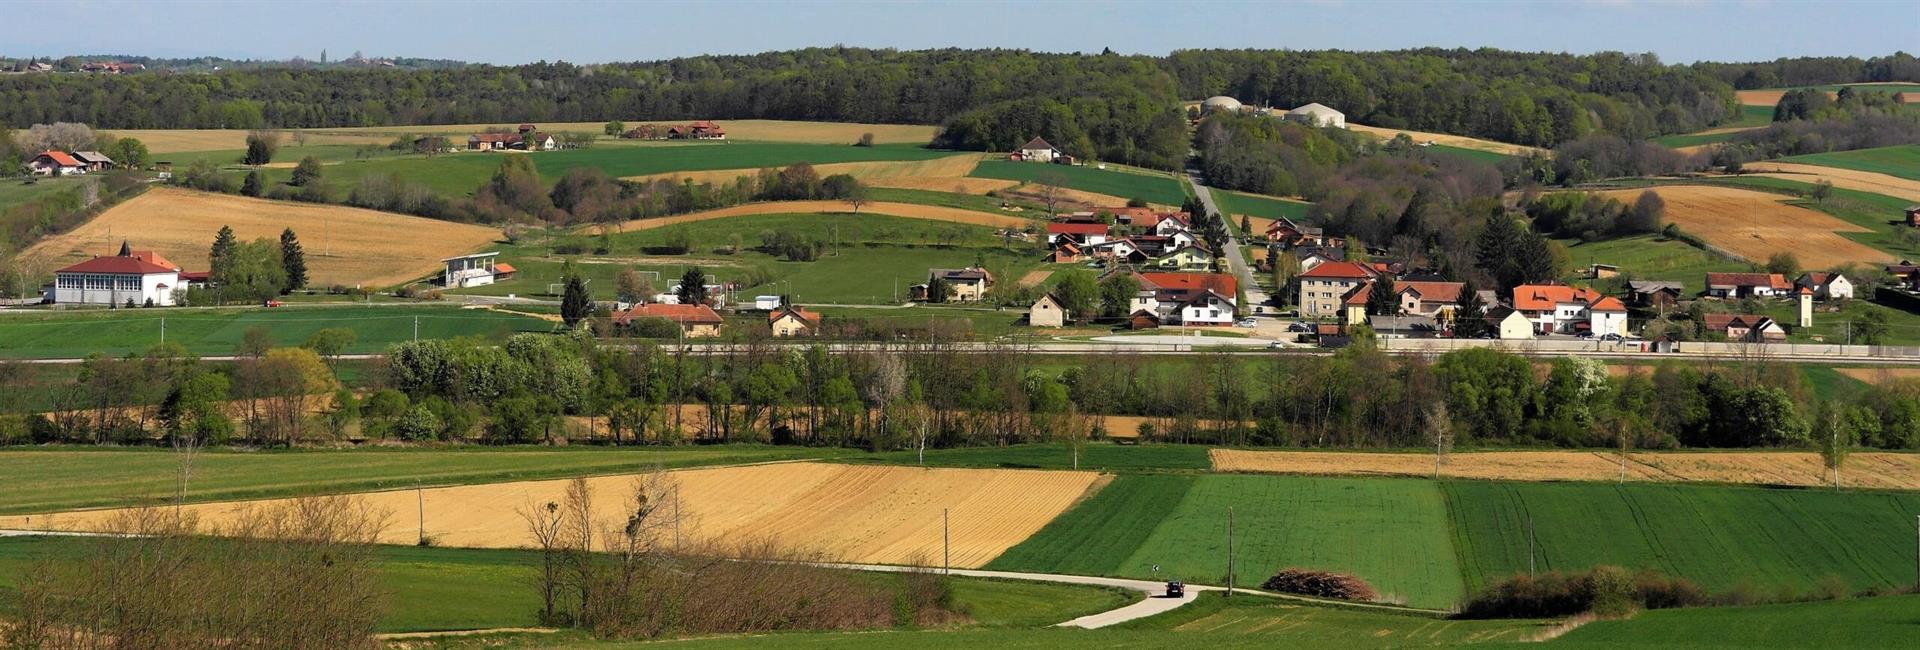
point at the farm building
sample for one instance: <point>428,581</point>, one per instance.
<point>793,321</point>
<point>1316,114</point>
<point>1745,327</point>
<point>1047,312</point>
<point>1825,286</point>
<point>516,141</point>
<point>1038,150</point>
<point>701,130</point>
<point>136,277</point>
<point>1913,215</point>
<point>1653,293</point>
<point>55,163</point>
<point>94,161</point>
<point>1744,285</point>
<point>1221,104</point>
<point>693,320</point>
<point>478,269</point>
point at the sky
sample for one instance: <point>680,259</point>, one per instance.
<point>594,32</point>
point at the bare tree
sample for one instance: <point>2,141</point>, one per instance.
<point>1439,434</point>
<point>544,523</point>
<point>1051,192</point>
<point>1838,443</point>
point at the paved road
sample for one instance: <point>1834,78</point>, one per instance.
<point>1236,260</point>
<point>1155,601</point>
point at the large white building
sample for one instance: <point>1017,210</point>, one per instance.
<point>1318,114</point>
<point>478,269</point>
<point>137,277</point>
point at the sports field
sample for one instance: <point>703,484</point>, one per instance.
<point>347,246</point>
<point>1755,225</point>
<point>1720,538</point>
<point>1367,527</point>
<point>1153,188</point>
<point>849,513</point>
<point>212,332</point>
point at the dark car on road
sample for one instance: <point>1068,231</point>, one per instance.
<point>1176,589</point>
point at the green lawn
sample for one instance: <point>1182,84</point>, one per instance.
<point>1265,207</point>
<point>459,174</point>
<point>1885,622</point>
<point>1902,161</point>
<point>49,334</point>
<point>53,479</point>
<point>979,202</point>
<point>1155,188</point>
<point>1367,527</point>
<point>15,191</point>
<point>1651,257</point>
<point>1717,537</point>
<point>1101,456</point>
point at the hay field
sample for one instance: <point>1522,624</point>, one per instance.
<point>757,130</point>
<point>344,245</point>
<point>1851,179</point>
<point>1864,469</point>
<point>1760,97</point>
<point>905,170</point>
<point>166,141</point>
<point>954,184</point>
<point>852,513</point>
<point>908,210</point>
<point>1460,141</point>
<point>1754,225</point>
<point>1880,375</point>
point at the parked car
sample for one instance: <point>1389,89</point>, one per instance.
<point>1299,327</point>
<point>1244,322</point>
<point>1611,337</point>
<point>1176,589</point>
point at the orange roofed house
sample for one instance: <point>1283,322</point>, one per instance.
<point>1743,285</point>
<point>1561,309</point>
<point>693,320</point>
<point>793,321</point>
<point>1186,298</point>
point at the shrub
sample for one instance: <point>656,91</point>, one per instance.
<point>1321,584</point>
<point>1603,590</point>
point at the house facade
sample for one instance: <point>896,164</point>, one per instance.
<point>1083,234</point>
<point>1561,309</point>
<point>963,285</point>
<point>476,270</point>
<point>55,163</point>
<point>1430,299</point>
<point>1038,150</point>
<point>1826,286</point>
<point>1185,298</point>
<point>792,321</point>
<point>1747,285</point>
<point>1047,312</point>
<point>1190,258</point>
<point>1325,285</point>
<point>1746,327</point>
<point>118,280</point>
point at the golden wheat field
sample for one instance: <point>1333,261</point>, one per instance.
<point>1851,179</point>
<point>909,210</point>
<point>1460,141</point>
<point>1755,225</point>
<point>164,141</point>
<point>1864,469</point>
<point>344,245</point>
<point>851,513</point>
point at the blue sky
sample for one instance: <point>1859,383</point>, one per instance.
<point>585,32</point>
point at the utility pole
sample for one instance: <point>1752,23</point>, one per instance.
<point>1229,551</point>
<point>422,497</point>
<point>1530,572</point>
<point>946,547</point>
<point>163,330</point>
<point>416,329</point>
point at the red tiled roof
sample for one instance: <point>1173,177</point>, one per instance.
<point>695,314</point>
<point>1608,303</point>
<point>507,138</point>
<point>1219,283</point>
<point>1076,229</point>
<point>115,264</point>
<point>1769,280</point>
<point>502,269</point>
<point>1337,270</point>
<point>1542,297</point>
<point>804,315</point>
<point>60,158</point>
<point>1358,296</point>
<point>153,256</point>
<point>1433,291</point>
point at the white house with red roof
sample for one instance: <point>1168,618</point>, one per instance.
<point>1561,309</point>
<point>1323,288</point>
<point>56,163</point>
<point>137,277</point>
<point>1186,298</point>
<point>1083,234</point>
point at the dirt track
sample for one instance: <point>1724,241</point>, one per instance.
<point>852,513</point>
<point>1864,469</point>
<point>1462,142</point>
<point>1755,225</point>
<point>909,210</point>
<point>1851,179</point>
<point>344,245</point>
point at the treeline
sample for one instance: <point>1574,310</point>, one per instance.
<point>1807,122</point>
<point>1125,125</point>
<point>1520,97</point>
<point>894,397</point>
<point>1814,71</point>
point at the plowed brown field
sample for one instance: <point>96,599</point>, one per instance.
<point>344,245</point>
<point>909,210</point>
<point>1863,469</point>
<point>1851,179</point>
<point>1755,225</point>
<point>850,513</point>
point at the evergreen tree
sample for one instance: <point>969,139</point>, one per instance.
<point>294,259</point>
<point>576,304</point>
<point>253,185</point>
<point>221,255</point>
<point>1470,320</point>
<point>1381,300</point>
<point>1497,250</point>
<point>693,287</point>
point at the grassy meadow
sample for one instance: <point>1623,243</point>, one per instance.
<point>212,332</point>
<point>1153,188</point>
<point>1652,257</point>
<point>1902,161</point>
<point>49,480</point>
<point>1750,117</point>
<point>1720,538</point>
<point>1885,622</point>
<point>1264,207</point>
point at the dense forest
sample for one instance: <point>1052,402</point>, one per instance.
<point>1814,71</point>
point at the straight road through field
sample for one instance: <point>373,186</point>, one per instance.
<point>1236,261</point>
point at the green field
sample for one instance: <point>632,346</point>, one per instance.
<point>1903,327</point>
<point>1885,622</point>
<point>1098,456</point>
<point>878,257</point>
<point>211,332</point>
<point>1718,537</point>
<point>1265,207</point>
<point>1392,533</point>
<point>1154,188</point>
<point>1750,117</point>
<point>1475,155</point>
<point>1651,257</point>
<point>459,174</point>
<point>1901,161</point>
<point>46,480</point>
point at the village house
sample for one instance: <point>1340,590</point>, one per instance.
<point>1653,294</point>
<point>1316,114</point>
<point>1038,150</point>
<point>527,137</point>
<point>55,163</point>
<point>1561,309</point>
<point>1288,234</point>
<point>1191,257</point>
<point>1151,220</point>
<point>1048,311</point>
<point>476,270</point>
<point>1509,325</point>
<point>790,321</point>
<point>132,277</point>
<point>1904,274</point>
<point>1325,286</point>
<point>1747,285</point>
<point>701,130</point>
<point>1353,305</point>
<point>1430,299</point>
<point>1067,253</point>
<point>1083,234</point>
<point>963,285</point>
<point>1312,256</point>
<point>1826,286</point>
<point>693,320</point>
<point>1745,327</point>
<point>1184,298</point>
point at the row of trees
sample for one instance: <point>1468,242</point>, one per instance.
<point>1814,70</point>
<point>251,271</point>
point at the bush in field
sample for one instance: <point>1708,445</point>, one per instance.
<point>1320,584</point>
<point>1608,591</point>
